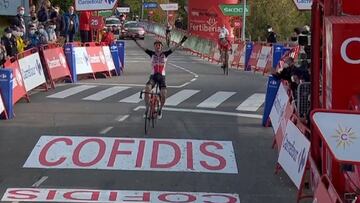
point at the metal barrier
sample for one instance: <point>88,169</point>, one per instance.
<point>302,99</point>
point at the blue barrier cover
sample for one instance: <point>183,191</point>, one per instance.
<point>6,86</point>
<point>272,89</point>
<point>249,48</point>
<point>115,55</point>
<point>121,49</point>
<point>70,58</point>
<point>278,53</point>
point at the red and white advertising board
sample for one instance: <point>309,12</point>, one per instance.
<point>280,114</point>
<point>341,79</point>
<point>108,58</point>
<point>19,90</point>
<point>56,62</point>
<point>265,55</point>
<point>133,154</point>
<point>32,71</point>
<point>294,153</point>
<point>239,53</point>
<point>255,54</point>
<point>325,192</point>
<point>206,19</point>
<point>82,61</point>
<point>111,196</point>
<point>97,59</point>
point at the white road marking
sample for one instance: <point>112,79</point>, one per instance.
<point>133,99</point>
<point>221,113</point>
<point>122,118</point>
<point>106,130</point>
<point>179,97</point>
<point>216,99</point>
<point>105,93</point>
<point>39,182</point>
<point>71,91</point>
<point>252,103</point>
<point>185,69</point>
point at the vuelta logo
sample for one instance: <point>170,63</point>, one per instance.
<point>109,1</point>
<point>343,50</point>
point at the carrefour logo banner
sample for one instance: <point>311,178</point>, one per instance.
<point>94,5</point>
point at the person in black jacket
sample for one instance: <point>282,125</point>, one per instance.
<point>43,14</point>
<point>9,41</point>
<point>271,35</point>
<point>19,19</point>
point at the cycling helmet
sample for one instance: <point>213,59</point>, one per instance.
<point>158,42</point>
<point>222,35</point>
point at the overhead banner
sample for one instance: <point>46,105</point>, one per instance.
<point>94,5</point>
<point>294,153</point>
<point>169,7</point>
<point>123,9</point>
<point>56,152</point>
<point>109,196</point>
<point>32,71</point>
<point>303,4</point>
<point>206,19</point>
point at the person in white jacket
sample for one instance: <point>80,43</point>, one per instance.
<point>224,31</point>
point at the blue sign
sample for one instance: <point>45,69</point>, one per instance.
<point>70,58</point>
<point>272,89</point>
<point>278,53</point>
<point>115,55</point>
<point>121,50</point>
<point>149,5</point>
<point>6,86</point>
<point>249,48</point>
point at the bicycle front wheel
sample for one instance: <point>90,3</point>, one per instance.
<point>147,121</point>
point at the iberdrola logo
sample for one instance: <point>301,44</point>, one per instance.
<point>110,1</point>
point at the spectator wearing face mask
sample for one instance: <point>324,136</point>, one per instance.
<point>108,36</point>
<point>9,41</point>
<point>20,43</point>
<point>51,32</point>
<point>71,24</point>
<point>33,21</point>
<point>32,37</point>
<point>43,35</point>
<point>44,12</point>
<point>2,55</point>
<point>58,20</point>
<point>271,35</point>
<point>19,19</point>
<point>32,10</point>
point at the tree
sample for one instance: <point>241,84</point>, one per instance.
<point>282,15</point>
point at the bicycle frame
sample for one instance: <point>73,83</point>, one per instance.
<point>154,104</point>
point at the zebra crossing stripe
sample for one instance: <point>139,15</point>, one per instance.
<point>105,93</point>
<point>215,100</point>
<point>70,92</point>
<point>179,97</point>
<point>133,99</point>
<point>252,103</point>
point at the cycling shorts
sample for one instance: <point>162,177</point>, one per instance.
<point>157,78</point>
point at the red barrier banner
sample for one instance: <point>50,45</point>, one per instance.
<point>239,53</point>
<point>97,59</point>
<point>56,63</point>
<point>325,192</point>
<point>255,54</point>
<point>19,90</point>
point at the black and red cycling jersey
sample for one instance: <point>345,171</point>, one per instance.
<point>224,45</point>
<point>158,60</point>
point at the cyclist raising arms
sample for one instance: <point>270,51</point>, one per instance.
<point>158,63</point>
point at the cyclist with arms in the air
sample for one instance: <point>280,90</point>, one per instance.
<point>158,63</point>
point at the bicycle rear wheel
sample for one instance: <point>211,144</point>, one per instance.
<point>147,121</point>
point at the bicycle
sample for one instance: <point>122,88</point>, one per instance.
<point>225,61</point>
<point>152,112</point>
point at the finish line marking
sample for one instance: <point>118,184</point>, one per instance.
<point>222,113</point>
